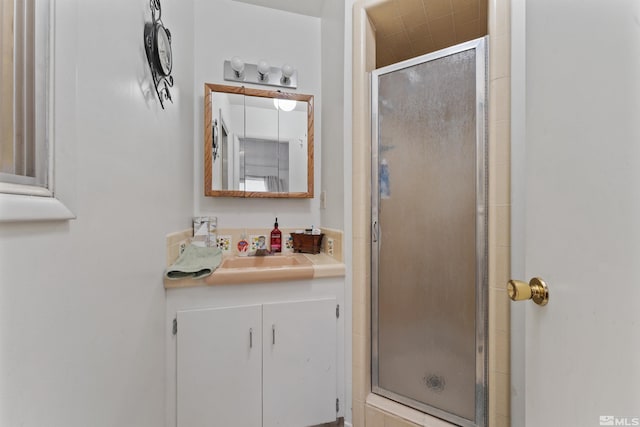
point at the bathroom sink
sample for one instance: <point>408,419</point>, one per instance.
<point>274,261</point>
<point>235,270</point>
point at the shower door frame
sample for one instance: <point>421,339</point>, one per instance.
<point>481,345</point>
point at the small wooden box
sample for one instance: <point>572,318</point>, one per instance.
<point>307,243</point>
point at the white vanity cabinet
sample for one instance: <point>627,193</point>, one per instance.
<point>219,367</point>
<point>299,363</point>
<point>271,364</point>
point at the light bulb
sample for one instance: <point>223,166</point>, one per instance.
<point>237,65</point>
<point>263,69</point>
<point>284,104</point>
<point>287,72</point>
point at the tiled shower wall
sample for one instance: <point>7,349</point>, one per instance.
<point>370,410</point>
<point>499,209</point>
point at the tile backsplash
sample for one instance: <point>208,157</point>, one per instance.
<point>228,238</point>
<point>225,242</point>
<point>174,241</point>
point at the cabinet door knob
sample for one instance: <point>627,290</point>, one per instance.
<point>273,334</point>
<point>250,337</point>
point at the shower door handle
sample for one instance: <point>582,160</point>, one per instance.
<point>535,290</point>
<point>374,232</point>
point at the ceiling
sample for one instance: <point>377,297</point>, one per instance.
<point>304,7</point>
<point>409,28</point>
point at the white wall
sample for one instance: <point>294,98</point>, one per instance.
<point>82,302</point>
<point>333,95</point>
<point>223,29</point>
<point>337,151</point>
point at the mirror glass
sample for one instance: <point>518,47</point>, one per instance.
<point>258,143</point>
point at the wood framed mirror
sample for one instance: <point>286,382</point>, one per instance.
<point>257,143</point>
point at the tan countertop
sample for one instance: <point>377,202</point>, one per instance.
<point>274,268</point>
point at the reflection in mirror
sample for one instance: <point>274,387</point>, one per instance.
<point>263,140</point>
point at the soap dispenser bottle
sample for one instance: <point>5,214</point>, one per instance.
<point>276,238</point>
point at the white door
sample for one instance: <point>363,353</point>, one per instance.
<point>219,367</point>
<point>299,363</point>
<point>576,212</point>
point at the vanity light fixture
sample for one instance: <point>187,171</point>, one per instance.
<point>262,73</point>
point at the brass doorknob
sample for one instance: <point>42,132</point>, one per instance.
<point>536,290</point>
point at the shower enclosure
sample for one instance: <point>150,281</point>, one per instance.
<point>429,228</point>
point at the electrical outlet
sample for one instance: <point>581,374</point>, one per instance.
<point>182,247</point>
<point>330,246</point>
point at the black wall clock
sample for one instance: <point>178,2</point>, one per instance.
<point>157,44</point>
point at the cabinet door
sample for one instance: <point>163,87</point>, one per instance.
<point>219,367</point>
<point>299,363</point>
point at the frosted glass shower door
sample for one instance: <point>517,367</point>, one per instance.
<point>429,234</point>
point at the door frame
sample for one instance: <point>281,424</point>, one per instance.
<point>361,50</point>
<point>518,196</point>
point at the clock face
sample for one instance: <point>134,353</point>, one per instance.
<point>163,47</point>
<point>157,46</point>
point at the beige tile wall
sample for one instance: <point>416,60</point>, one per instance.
<point>409,28</point>
<point>336,236</point>
<point>366,412</point>
<point>364,61</point>
<point>499,209</point>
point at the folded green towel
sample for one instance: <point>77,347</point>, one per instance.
<point>195,262</point>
